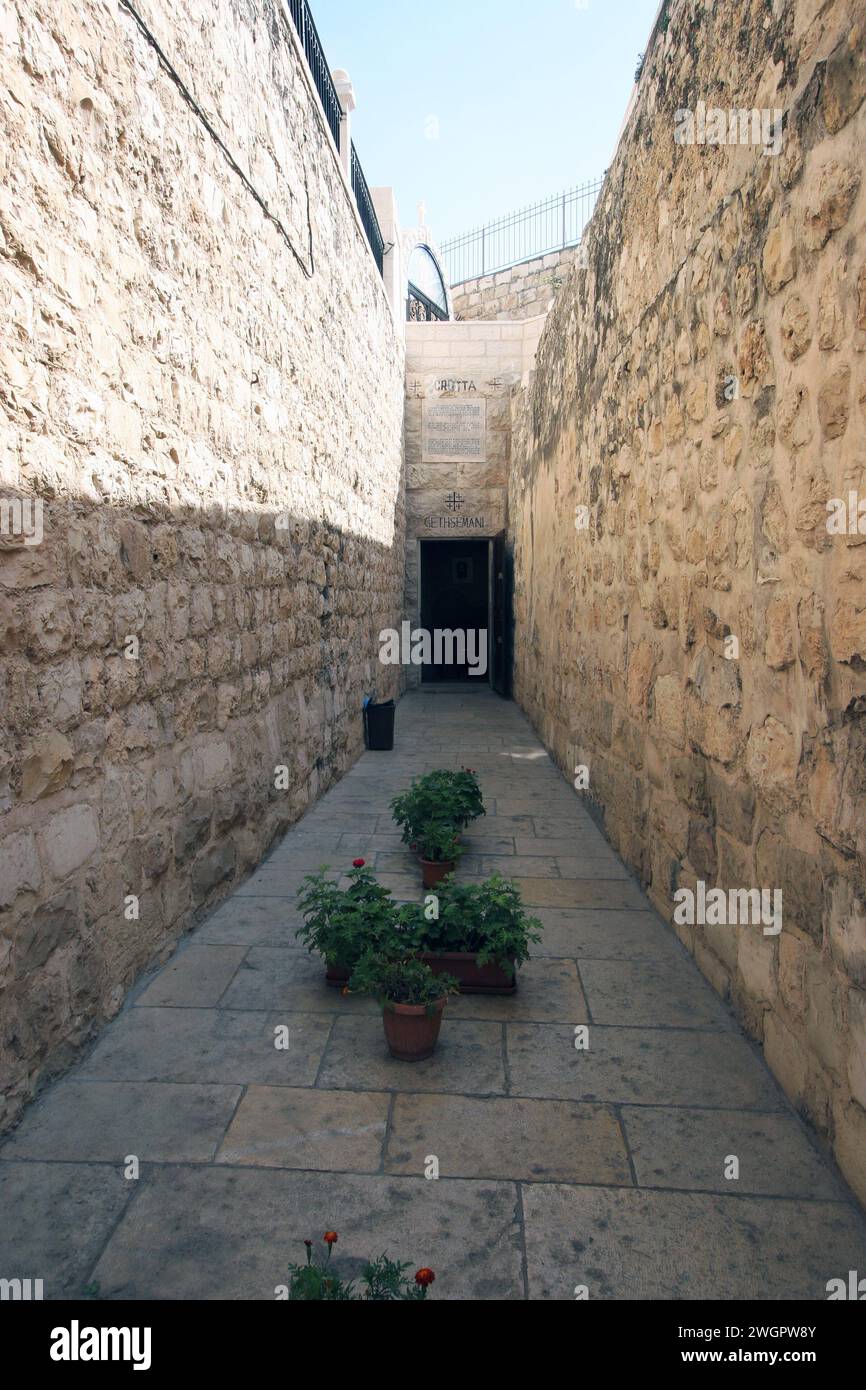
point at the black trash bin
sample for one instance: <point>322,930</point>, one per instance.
<point>379,722</point>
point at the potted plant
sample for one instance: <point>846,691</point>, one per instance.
<point>444,795</point>
<point>481,934</point>
<point>342,923</point>
<point>384,1280</point>
<point>412,999</point>
<point>438,849</point>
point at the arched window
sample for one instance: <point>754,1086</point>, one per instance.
<point>426,293</point>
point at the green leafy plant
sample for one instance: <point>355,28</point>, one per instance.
<point>437,842</point>
<point>342,923</point>
<point>444,796</point>
<point>462,792</point>
<point>382,1280</point>
<point>487,919</point>
<point>394,979</point>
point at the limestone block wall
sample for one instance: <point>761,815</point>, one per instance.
<point>688,627</point>
<point>519,292</point>
<point>208,401</point>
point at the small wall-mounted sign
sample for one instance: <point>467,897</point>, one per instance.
<point>455,523</point>
<point>454,431</point>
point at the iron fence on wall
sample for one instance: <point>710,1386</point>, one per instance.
<point>551,225</point>
<point>369,220</point>
<point>308,34</point>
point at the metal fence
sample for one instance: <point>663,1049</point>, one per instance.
<point>324,82</point>
<point>542,227</point>
<point>318,65</point>
<point>369,219</point>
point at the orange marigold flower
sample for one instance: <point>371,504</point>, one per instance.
<point>330,1237</point>
<point>424,1277</point>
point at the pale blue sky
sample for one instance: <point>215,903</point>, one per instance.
<point>529,96</point>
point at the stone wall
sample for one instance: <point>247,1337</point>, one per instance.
<point>519,292</point>
<point>209,402</point>
<point>687,626</point>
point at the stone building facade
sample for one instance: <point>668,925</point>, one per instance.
<point>209,400</point>
<point>688,626</point>
<point>457,374</point>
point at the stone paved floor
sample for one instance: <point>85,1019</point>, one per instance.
<point>558,1167</point>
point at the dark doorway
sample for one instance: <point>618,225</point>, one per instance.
<point>455,597</point>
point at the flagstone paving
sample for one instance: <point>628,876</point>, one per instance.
<point>560,1168</point>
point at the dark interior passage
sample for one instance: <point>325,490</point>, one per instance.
<point>455,596</point>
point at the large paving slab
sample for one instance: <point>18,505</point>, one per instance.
<point>536,1140</point>
<point>195,977</point>
<point>230,1233</point>
<point>469,1058</point>
<point>631,1244</point>
<point>692,1149</point>
<point>56,1220</point>
<point>111,1121</point>
<point>278,1127</point>
<point>648,1066</point>
<point>605,934</point>
<point>651,993</point>
<point>265,1107</point>
<point>215,1046</point>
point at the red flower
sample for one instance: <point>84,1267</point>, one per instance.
<point>358,863</point>
<point>424,1277</point>
<point>309,1244</point>
<point>330,1237</point>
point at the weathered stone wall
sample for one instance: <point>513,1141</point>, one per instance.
<point>518,292</point>
<point>700,391</point>
<point>214,422</point>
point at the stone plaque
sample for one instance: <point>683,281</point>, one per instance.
<point>454,431</point>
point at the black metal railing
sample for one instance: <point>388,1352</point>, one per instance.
<point>315,54</point>
<point>550,225</point>
<point>420,309</point>
<point>317,63</point>
<point>369,220</point>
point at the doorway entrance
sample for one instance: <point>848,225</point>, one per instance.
<point>464,587</point>
<point>455,598</point>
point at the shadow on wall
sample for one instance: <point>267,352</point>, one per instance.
<point>177,687</point>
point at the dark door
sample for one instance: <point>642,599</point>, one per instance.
<point>454,598</point>
<point>500,675</point>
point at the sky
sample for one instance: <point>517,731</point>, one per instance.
<point>480,107</point>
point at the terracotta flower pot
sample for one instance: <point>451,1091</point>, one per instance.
<point>433,871</point>
<point>337,976</point>
<point>410,1031</point>
<point>472,977</point>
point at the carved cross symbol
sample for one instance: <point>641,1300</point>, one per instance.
<point>454,501</point>
<point>495,382</point>
<point>417,388</point>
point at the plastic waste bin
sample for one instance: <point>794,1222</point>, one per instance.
<point>379,722</point>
